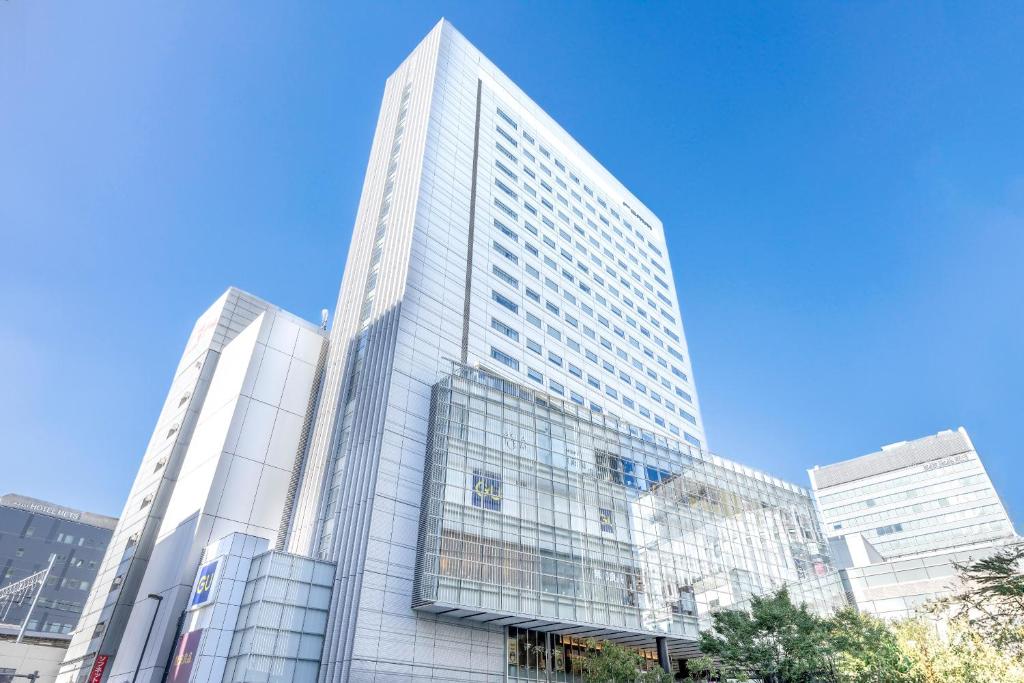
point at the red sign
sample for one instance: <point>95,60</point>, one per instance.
<point>98,667</point>
<point>184,656</point>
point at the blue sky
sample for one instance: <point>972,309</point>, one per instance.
<point>842,185</point>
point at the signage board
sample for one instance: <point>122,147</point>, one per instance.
<point>98,667</point>
<point>487,491</point>
<point>184,655</point>
<point>205,587</point>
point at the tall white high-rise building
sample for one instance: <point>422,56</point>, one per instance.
<point>505,454</point>
<point>487,235</point>
<point>490,244</point>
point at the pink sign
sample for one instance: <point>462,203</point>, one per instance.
<point>184,655</point>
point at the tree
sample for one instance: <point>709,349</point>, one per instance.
<point>702,670</point>
<point>776,642</point>
<point>611,663</point>
<point>865,650</point>
<point>991,600</point>
<point>962,656</point>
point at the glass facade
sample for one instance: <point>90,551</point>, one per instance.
<point>280,629</point>
<point>541,656</point>
<point>537,507</point>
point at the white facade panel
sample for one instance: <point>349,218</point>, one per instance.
<point>232,473</point>
<point>596,317</point>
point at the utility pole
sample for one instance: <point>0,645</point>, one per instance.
<point>159,599</point>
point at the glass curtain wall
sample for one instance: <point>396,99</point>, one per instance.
<point>533,506</point>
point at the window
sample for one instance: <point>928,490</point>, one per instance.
<point>508,138</point>
<point>504,301</point>
<point>506,253</point>
<point>535,375</point>
<point>533,346</point>
<point>505,209</point>
<point>504,329</point>
<point>506,189</point>
<point>507,231</point>
<point>508,279</point>
<point>556,387</point>
<point>504,358</point>
<point>505,169</point>
<point>555,358</point>
<point>511,157</point>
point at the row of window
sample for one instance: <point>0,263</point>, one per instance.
<point>511,175</point>
<point>554,333</point>
<point>68,539</point>
<point>559,389</point>
<point>559,176</point>
<point>915,509</point>
<point>513,281</point>
<point>937,488</point>
<point>616,279</point>
<point>912,478</point>
<point>554,307</point>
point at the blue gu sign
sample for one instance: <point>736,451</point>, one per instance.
<point>205,586</point>
<point>487,491</point>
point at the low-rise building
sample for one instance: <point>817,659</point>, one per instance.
<point>899,518</point>
<point>49,556</point>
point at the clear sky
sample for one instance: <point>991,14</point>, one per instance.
<point>842,185</point>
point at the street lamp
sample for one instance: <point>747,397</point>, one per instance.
<point>158,598</point>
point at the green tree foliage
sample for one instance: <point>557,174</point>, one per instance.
<point>992,599</point>
<point>610,663</point>
<point>776,641</point>
<point>865,650</point>
<point>961,656</point>
<point>702,670</point>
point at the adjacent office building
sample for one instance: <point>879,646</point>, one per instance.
<point>221,460</point>
<point>503,455</point>
<point>898,518</point>
<point>49,557</point>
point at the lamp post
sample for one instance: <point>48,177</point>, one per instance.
<point>158,598</point>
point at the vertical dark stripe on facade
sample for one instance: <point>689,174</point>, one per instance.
<point>302,452</point>
<point>472,223</point>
